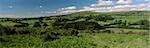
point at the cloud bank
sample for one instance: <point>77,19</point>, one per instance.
<point>122,5</point>
<point>108,6</point>
<point>124,2</point>
<point>103,3</point>
<point>99,6</point>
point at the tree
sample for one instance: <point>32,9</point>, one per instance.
<point>45,24</point>
<point>144,24</point>
<point>37,24</point>
<point>1,25</point>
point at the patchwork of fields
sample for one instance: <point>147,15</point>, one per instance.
<point>77,30</point>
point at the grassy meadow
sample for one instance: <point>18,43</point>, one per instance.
<point>77,30</point>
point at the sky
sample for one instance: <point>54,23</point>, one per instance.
<point>36,8</point>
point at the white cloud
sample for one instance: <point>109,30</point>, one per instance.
<point>147,0</point>
<point>124,6</point>
<point>48,12</point>
<point>147,5</point>
<point>103,3</point>
<point>66,10</point>
<point>86,8</point>
<point>10,6</point>
<point>100,9</point>
<point>124,2</point>
<point>131,7</point>
<point>40,6</point>
<point>9,16</point>
<point>118,8</point>
<point>69,8</point>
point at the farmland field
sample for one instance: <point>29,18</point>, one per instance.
<point>132,18</point>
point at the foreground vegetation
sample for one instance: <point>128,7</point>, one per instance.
<point>77,30</point>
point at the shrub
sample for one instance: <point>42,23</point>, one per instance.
<point>107,31</point>
<point>37,24</point>
<point>82,25</point>
<point>45,24</point>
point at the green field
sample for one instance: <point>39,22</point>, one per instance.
<point>104,40</point>
<point>131,18</point>
<point>96,40</point>
<point>77,30</point>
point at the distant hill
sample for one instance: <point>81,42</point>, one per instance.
<point>88,13</point>
<point>129,13</point>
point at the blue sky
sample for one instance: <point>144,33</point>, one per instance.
<point>34,8</point>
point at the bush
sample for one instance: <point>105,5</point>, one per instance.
<point>21,41</point>
<point>107,31</point>
<point>37,24</point>
<point>45,24</point>
<point>82,25</point>
<point>51,37</point>
<point>21,25</point>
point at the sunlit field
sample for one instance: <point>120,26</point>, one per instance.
<point>77,30</point>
